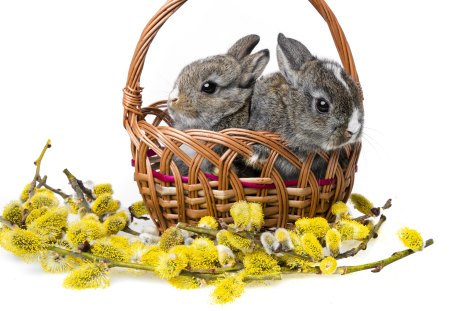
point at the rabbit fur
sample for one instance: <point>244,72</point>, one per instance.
<point>215,93</point>
<point>230,78</point>
<point>312,103</point>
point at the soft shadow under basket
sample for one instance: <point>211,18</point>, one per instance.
<point>172,198</point>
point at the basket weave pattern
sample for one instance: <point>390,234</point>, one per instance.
<point>172,198</point>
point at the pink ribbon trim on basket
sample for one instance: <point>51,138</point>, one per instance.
<point>171,179</point>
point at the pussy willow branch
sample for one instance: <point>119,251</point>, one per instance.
<point>209,274</point>
<point>86,191</point>
<point>378,265</point>
<point>363,245</point>
<point>198,230</point>
<point>76,187</point>
<point>38,169</point>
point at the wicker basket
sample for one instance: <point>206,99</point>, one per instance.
<point>172,198</point>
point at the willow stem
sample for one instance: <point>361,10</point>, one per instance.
<point>43,183</point>
<point>76,187</point>
<point>38,169</point>
<point>363,244</point>
<point>198,230</point>
<point>222,270</point>
<point>86,191</point>
<point>7,223</point>
<point>378,265</point>
<point>130,231</point>
<point>204,274</point>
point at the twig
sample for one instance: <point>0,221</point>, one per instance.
<point>215,271</point>
<point>130,231</point>
<point>387,205</point>
<point>76,187</point>
<point>43,183</point>
<point>7,223</point>
<point>86,191</point>
<point>377,266</point>
<point>363,244</point>
<point>38,169</point>
<point>198,230</point>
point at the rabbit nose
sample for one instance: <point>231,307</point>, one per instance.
<point>172,101</point>
<point>348,134</point>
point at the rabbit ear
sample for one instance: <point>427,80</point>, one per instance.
<point>243,47</point>
<point>291,55</point>
<point>253,66</point>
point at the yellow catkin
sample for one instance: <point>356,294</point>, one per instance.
<point>139,209</point>
<point>43,198</point>
<point>184,282</point>
<point>259,263</point>
<point>21,242</point>
<point>228,289</point>
<point>24,195</point>
<point>339,208</point>
<point>91,275</point>
<point>284,238</point>
<point>240,212</point>
<point>152,255</point>
<point>51,224</point>
<point>35,214</point>
<point>104,248</point>
<point>256,216</point>
<point>352,230</point>
<point>170,265</point>
<point>203,254</point>
<point>171,237</point>
<point>13,212</point>
<point>115,223</point>
<point>136,251</point>
<point>411,238</point>
<point>208,222</point>
<point>312,246</point>
<point>55,263</point>
<point>100,189</point>
<point>362,204</point>
<point>328,265</point>
<point>316,225</point>
<point>105,204</point>
<point>119,241</point>
<point>333,241</point>
<point>269,242</point>
<point>297,242</point>
<point>227,258</point>
<point>84,230</point>
<point>234,241</point>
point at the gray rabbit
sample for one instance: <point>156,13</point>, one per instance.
<point>312,103</point>
<point>215,93</point>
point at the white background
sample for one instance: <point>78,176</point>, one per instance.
<point>63,65</point>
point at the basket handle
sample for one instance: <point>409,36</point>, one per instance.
<point>132,97</point>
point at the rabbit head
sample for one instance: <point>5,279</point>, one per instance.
<point>326,103</point>
<point>214,93</point>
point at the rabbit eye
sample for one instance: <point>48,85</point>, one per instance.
<point>209,87</point>
<point>322,105</point>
